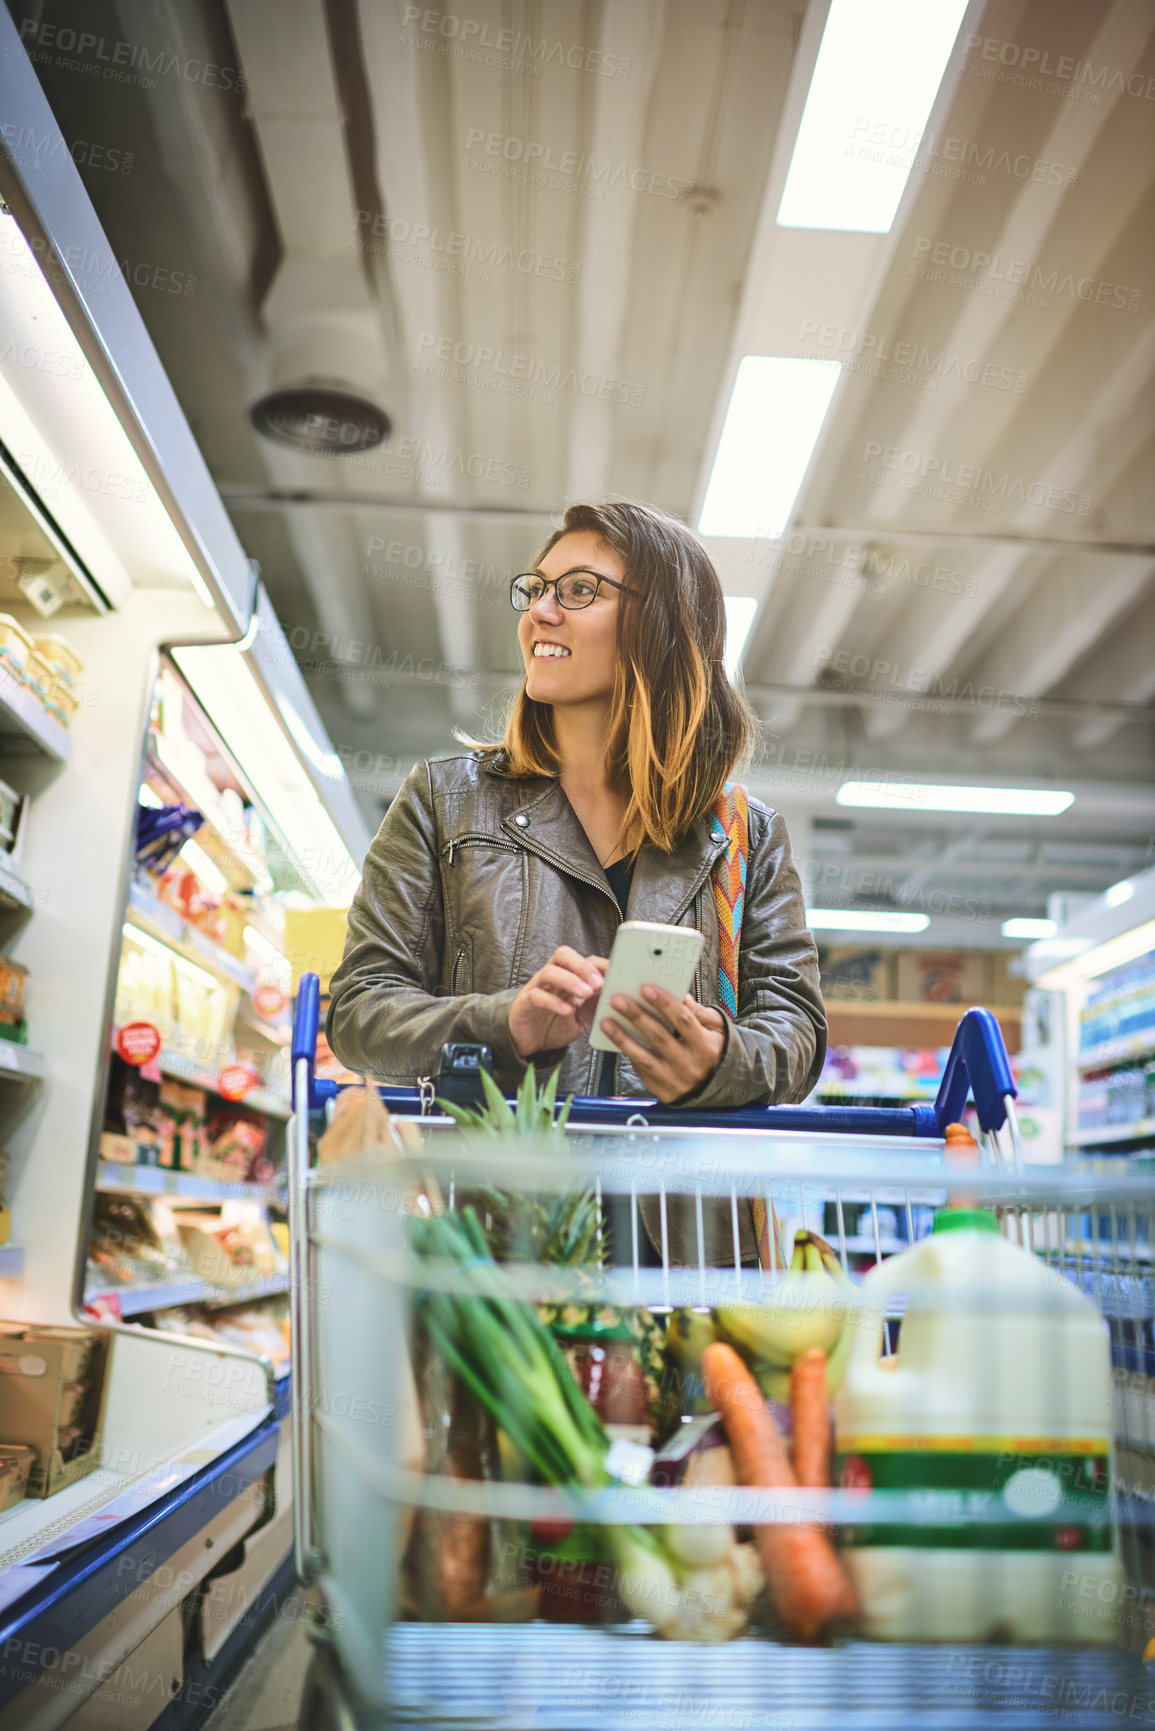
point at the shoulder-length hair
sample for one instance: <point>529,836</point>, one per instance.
<point>678,729</point>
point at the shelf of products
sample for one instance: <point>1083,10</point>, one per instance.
<point>164,924</point>
<point>22,715</point>
<point>161,1181</point>
<point>14,892</point>
<point>136,1300</point>
<point>182,1069</point>
<point>1140,1130</point>
<point>852,1023</point>
<point>1115,1098</point>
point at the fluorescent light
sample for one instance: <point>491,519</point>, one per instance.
<point>198,861</point>
<point>927,796</point>
<point>1085,960</point>
<point>740,611</point>
<point>853,920</point>
<point>875,80</point>
<point>147,942</point>
<point>59,424</point>
<point>1119,893</point>
<point>772,425</point>
<point>1028,928</point>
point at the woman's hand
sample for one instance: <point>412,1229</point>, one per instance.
<point>557,1003</point>
<point>688,1040</point>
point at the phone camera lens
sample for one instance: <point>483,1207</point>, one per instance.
<point>658,951</point>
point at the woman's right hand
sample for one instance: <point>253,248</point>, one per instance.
<point>557,1003</point>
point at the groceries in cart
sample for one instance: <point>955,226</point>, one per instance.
<point>959,1397</point>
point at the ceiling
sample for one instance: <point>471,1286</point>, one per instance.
<point>541,235</point>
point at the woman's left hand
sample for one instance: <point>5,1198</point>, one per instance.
<point>681,1059</point>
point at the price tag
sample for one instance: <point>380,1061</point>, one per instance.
<point>138,1042</point>
<point>269,1000</point>
<point>235,1081</point>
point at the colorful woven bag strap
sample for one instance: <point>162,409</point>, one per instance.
<point>732,819</point>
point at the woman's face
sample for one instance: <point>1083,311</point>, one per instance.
<point>588,636</point>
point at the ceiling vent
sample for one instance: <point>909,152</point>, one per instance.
<point>319,421</point>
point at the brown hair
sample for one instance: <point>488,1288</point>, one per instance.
<point>677,726</point>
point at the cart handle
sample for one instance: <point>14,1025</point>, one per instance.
<point>978,1066</point>
<point>306,1021</point>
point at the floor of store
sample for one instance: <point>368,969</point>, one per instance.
<point>266,1692</point>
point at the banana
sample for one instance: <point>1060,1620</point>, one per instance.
<point>805,1310</point>
<point>688,1334</point>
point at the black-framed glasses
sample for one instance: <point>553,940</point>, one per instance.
<point>574,589</point>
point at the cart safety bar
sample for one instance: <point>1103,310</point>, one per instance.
<point>978,1065</point>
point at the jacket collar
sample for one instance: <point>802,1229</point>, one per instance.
<point>541,818</point>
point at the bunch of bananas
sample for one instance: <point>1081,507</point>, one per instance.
<point>809,1306</point>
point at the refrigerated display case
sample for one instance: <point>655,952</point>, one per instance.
<point>1102,963</point>
<point>157,1530</point>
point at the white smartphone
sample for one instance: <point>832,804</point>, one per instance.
<point>645,954</point>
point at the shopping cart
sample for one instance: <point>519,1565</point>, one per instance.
<point>353,1281</point>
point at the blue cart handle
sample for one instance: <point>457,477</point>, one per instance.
<point>306,1021</point>
<point>978,1065</point>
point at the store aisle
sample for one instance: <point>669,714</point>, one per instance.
<point>267,1690</point>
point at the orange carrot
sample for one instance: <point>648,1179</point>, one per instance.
<point>808,1585</point>
<point>811,1415</point>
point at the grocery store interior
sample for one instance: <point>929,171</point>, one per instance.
<point>314,317</point>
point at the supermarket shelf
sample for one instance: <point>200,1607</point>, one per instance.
<point>160,1181</point>
<point>181,1069</point>
<point>898,1024</point>
<point>1141,1130</point>
<point>18,1063</point>
<point>164,924</point>
<point>14,892</point>
<point>1110,1052</point>
<point>134,1300</point>
<point>22,718</point>
<point>242,873</point>
<point>11,1260</point>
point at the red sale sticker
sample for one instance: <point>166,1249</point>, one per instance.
<point>138,1042</point>
<point>235,1081</point>
<point>269,1000</point>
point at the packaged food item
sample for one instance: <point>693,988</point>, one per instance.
<point>235,1147</point>
<point>864,976</point>
<point>51,1402</point>
<point>60,656</point>
<point>15,1466</point>
<point>942,977</point>
<point>12,978</point>
<point>996,1408</point>
<point>15,645</point>
<point>181,1118</point>
<point>37,675</point>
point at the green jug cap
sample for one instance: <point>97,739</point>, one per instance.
<point>964,1219</point>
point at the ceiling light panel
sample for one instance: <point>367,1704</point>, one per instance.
<point>772,425</point>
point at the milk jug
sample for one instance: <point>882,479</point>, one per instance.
<point>996,1403</point>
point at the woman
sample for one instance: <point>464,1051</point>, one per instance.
<point>493,889</point>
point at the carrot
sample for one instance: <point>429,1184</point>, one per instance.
<point>808,1585</point>
<point>811,1415</point>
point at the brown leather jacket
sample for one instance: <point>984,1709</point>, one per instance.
<point>475,878</point>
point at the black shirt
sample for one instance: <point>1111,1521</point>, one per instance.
<point>619,875</point>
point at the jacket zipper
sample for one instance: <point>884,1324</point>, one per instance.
<point>563,865</point>
<point>451,847</point>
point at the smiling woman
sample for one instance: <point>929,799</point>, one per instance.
<point>492,893</point>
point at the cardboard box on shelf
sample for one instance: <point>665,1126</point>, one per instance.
<point>15,1465</point>
<point>862,975</point>
<point>943,977</point>
<point>52,1387</point>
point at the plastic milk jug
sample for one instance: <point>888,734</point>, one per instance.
<point>994,1410</point>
